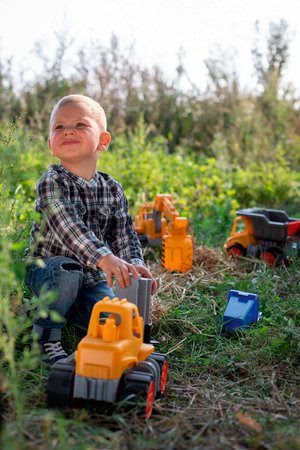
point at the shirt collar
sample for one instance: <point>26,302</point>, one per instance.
<point>92,183</point>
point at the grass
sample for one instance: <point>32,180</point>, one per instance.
<point>235,392</point>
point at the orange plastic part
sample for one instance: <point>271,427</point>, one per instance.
<point>269,258</point>
<point>160,220</point>
<point>150,397</point>
<point>114,341</point>
<point>163,203</point>
<point>242,233</point>
<point>144,222</point>
<point>163,378</point>
<point>177,252</point>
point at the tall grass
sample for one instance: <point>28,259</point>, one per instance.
<point>224,121</point>
<point>223,392</point>
<point>214,152</point>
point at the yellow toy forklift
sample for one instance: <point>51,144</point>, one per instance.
<point>267,234</point>
<point>158,223</point>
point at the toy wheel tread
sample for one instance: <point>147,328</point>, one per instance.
<point>162,361</point>
<point>271,257</point>
<point>236,251</point>
<point>60,385</point>
<point>143,238</point>
<point>138,386</point>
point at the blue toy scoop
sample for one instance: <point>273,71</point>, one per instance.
<point>242,310</point>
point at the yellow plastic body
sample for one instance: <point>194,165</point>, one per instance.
<point>145,224</point>
<point>164,204</point>
<point>242,233</point>
<point>177,254</point>
<point>114,341</point>
<point>140,221</point>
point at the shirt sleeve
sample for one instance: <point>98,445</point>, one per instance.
<point>64,222</point>
<point>122,237</point>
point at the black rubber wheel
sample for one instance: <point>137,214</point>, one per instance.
<point>143,238</point>
<point>162,361</point>
<point>60,385</point>
<point>137,388</point>
<point>236,251</point>
<point>272,257</point>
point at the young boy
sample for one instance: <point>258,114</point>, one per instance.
<point>85,236</point>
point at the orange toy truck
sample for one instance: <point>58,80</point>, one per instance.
<point>111,362</point>
<point>159,223</point>
<point>267,234</point>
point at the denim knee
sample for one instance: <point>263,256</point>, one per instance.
<point>59,274</point>
<point>80,312</point>
<point>45,273</point>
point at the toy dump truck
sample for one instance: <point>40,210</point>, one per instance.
<point>112,363</point>
<point>267,234</point>
<point>158,223</point>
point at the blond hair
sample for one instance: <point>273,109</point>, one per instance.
<point>96,109</point>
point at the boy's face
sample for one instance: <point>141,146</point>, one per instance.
<point>75,135</point>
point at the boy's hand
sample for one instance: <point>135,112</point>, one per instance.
<point>144,272</point>
<point>114,266</point>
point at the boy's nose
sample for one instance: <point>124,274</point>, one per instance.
<point>69,130</point>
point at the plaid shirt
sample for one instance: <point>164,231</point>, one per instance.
<point>84,220</point>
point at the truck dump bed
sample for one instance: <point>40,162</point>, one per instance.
<point>268,224</point>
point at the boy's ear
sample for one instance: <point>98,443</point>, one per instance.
<point>49,145</point>
<point>104,140</point>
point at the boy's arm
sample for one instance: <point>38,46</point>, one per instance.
<point>113,266</point>
<point>122,237</point>
<point>63,220</point>
<point>123,241</point>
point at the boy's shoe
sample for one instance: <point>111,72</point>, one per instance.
<point>53,351</point>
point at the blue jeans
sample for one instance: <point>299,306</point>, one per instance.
<point>74,301</point>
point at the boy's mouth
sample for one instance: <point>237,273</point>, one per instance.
<point>70,142</point>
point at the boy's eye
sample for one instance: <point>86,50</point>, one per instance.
<point>80,125</point>
<point>58,127</point>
